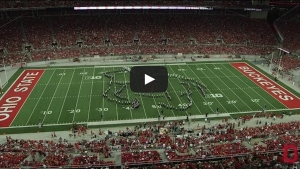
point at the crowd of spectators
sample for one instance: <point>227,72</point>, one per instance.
<point>287,62</point>
<point>288,25</point>
<point>72,36</point>
<point>217,146</point>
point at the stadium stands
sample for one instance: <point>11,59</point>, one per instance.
<point>132,34</point>
<point>288,25</point>
<point>11,38</point>
<point>288,62</point>
<point>218,146</point>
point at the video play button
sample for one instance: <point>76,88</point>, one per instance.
<point>148,79</point>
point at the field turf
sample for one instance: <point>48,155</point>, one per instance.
<point>74,94</point>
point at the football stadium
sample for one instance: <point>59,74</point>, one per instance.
<point>195,84</point>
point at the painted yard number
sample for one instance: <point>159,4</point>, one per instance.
<point>100,109</point>
<point>214,95</point>
<point>231,101</point>
<point>200,69</point>
<point>217,68</point>
<point>207,103</point>
<point>62,74</point>
<point>96,77</point>
<point>156,106</point>
<point>183,105</point>
<point>181,69</point>
<point>74,111</point>
<point>83,73</point>
<point>46,112</point>
<point>127,108</point>
<point>255,100</point>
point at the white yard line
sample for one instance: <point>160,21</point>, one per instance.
<point>52,98</point>
<point>156,105</point>
<point>65,97</point>
<point>78,95</point>
<point>209,91</point>
<point>127,94</point>
<point>241,90</point>
<point>185,90</point>
<point>194,103</point>
<point>117,112</point>
<point>122,65</point>
<point>143,106</point>
<point>220,91</point>
<point>91,95</point>
<point>230,90</point>
<point>169,104</point>
<point>251,89</point>
<point>40,97</point>
<point>103,97</point>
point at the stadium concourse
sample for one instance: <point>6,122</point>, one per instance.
<point>249,141</point>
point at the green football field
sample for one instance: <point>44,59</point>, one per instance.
<point>74,94</point>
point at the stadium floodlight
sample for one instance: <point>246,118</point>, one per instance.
<point>144,7</point>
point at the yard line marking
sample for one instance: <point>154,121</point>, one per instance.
<point>209,91</point>
<point>68,68</point>
<point>65,97</point>
<point>127,92</point>
<point>108,80</point>
<point>169,104</point>
<point>115,91</point>
<point>143,106</point>
<point>40,98</point>
<point>231,90</point>
<point>251,88</point>
<point>186,90</point>
<point>52,98</point>
<point>219,90</point>
<point>91,96</point>
<point>241,90</point>
<point>78,95</point>
<point>152,64</point>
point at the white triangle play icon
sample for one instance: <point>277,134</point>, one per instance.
<point>148,79</point>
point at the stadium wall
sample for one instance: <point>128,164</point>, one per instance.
<point>118,59</point>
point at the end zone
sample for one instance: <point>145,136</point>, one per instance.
<point>278,92</point>
<point>13,100</point>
